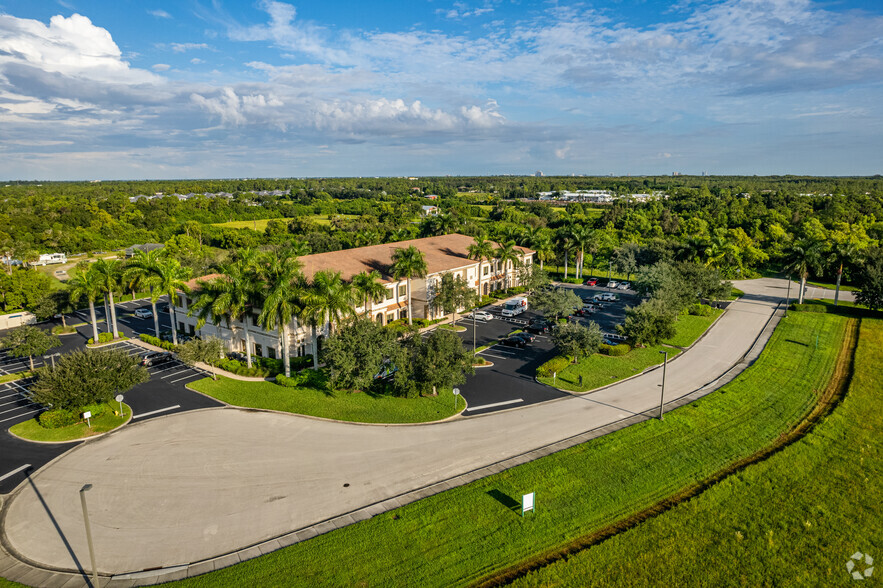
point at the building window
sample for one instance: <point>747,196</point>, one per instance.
<point>403,313</point>
<point>379,318</point>
<point>271,351</point>
<point>390,316</point>
<point>390,292</point>
<point>403,290</point>
<point>486,270</point>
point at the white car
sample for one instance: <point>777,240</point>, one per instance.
<point>608,296</point>
<point>625,286</point>
<point>482,315</point>
<point>143,313</point>
<point>612,284</point>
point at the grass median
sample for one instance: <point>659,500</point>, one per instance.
<point>31,430</point>
<point>600,370</point>
<point>470,532</point>
<point>361,407</point>
<point>793,520</point>
<point>690,327</point>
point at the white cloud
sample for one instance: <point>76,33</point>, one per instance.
<point>159,13</point>
<point>160,67</point>
<point>182,47</point>
<point>196,61</point>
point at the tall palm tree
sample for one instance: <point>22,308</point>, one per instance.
<point>110,271</point>
<point>843,252</point>
<point>480,250</point>
<point>564,240</point>
<point>327,301</point>
<point>87,283</point>
<point>140,273</point>
<point>171,278</point>
<point>228,298</point>
<point>802,258</point>
<point>408,263</point>
<point>282,298</point>
<point>542,244</point>
<point>369,287</point>
<point>583,236</point>
<point>506,254</point>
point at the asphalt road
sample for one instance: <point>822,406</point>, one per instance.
<point>200,484</point>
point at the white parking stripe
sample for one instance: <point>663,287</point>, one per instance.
<point>494,405</point>
<point>193,375</point>
<point>152,412</point>
<point>18,416</point>
<point>494,356</point>
<point>15,471</point>
<point>174,374</point>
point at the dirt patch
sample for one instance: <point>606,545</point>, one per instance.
<point>825,403</point>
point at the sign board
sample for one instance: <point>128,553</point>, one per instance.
<point>87,415</point>
<point>527,503</point>
<point>456,391</point>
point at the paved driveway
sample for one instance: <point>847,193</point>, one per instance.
<point>187,487</point>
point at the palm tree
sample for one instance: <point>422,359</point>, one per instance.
<point>802,258</point>
<point>368,285</point>
<point>171,277</point>
<point>281,298</point>
<point>87,283</point>
<point>229,298</point>
<point>141,273</point>
<point>583,237</point>
<point>841,253</point>
<point>480,250</point>
<point>506,254</point>
<point>408,263</point>
<point>542,244</point>
<point>110,272</point>
<point>564,240</point>
<point>327,301</point>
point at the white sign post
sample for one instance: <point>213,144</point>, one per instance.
<point>527,503</point>
<point>119,398</point>
<point>87,415</point>
<point>456,394</point>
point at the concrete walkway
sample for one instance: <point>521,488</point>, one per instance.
<point>198,491</point>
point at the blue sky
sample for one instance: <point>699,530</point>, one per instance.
<point>130,89</point>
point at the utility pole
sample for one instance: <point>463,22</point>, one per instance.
<point>662,395</point>
<point>83,491</point>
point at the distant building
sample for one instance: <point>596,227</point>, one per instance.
<point>429,210</point>
<point>431,196</point>
<point>539,174</point>
<point>130,251</point>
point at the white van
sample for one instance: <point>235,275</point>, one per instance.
<point>514,307</point>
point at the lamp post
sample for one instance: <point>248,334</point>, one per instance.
<point>83,491</point>
<point>787,297</point>
<point>662,395</point>
<point>473,333</point>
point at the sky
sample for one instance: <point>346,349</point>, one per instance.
<point>151,89</point>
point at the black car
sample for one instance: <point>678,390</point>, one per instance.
<point>539,327</point>
<point>528,337</point>
<point>514,342</point>
<point>156,358</point>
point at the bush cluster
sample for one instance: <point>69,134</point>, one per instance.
<point>102,338</point>
<point>615,350</point>
<point>809,307</point>
<point>57,418</point>
<point>167,345</point>
<point>306,378</point>
<point>699,309</point>
<point>554,365</point>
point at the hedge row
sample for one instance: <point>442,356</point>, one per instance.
<point>555,365</point>
<point>167,345</point>
<point>102,338</point>
<point>615,350</point>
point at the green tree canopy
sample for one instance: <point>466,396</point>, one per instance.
<point>28,341</point>
<point>576,340</point>
<point>649,323</point>
<point>357,351</point>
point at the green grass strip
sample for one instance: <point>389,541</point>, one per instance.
<point>792,520</point>
<point>690,327</point>
<point>32,431</point>
<point>361,407</point>
<point>16,376</point>
<point>464,534</point>
<point>600,370</point>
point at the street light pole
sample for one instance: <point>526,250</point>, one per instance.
<point>662,396</point>
<point>473,333</point>
<point>83,491</point>
<point>787,297</point>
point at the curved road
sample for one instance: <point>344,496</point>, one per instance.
<point>190,487</point>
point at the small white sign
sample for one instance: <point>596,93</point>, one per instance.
<point>87,415</point>
<point>119,398</point>
<point>456,391</point>
<point>527,503</point>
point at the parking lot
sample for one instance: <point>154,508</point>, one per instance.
<point>510,382</point>
<point>163,394</point>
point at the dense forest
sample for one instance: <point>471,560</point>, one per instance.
<point>739,225</point>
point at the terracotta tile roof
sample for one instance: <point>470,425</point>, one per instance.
<point>193,285</point>
<point>443,253</point>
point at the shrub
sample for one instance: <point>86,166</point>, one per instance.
<point>479,360</point>
<point>809,307</point>
<point>616,350</point>
<point>166,345</point>
<point>62,330</point>
<point>699,309</point>
<point>304,379</point>
<point>292,382</point>
<point>102,338</point>
<point>57,418</point>
<point>555,365</point>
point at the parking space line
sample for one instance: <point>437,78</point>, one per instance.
<point>152,412</point>
<point>494,405</point>
<point>15,471</point>
<point>174,374</point>
<point>194,375</point>
<point>174,366</point>
<point>28,412</point>
<point>495,356</point>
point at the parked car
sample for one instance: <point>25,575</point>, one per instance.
<point>156,358</point>
<point>387,372</point>
<point>538,327</point>
<point>597,297</point>
<point>609,297</point>
<point>592,282</point>
<point>514,342</point>
<point>143,313</point>
<point>612,284</point>
<point>481,315</point>
<point>625,286</point>
<point>236,356</point>
<point>529,337</point>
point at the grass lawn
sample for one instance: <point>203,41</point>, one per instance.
<point>833,286</point>
<point>792,520</point>
<point>690,328</point>
<point>255,225</point>
<point>467,533</point>
<point>16,376</point>
<point>735,293</point>
<point>360,407</point>
<point>455,328</point>
<point>32,430</point>
<point>600,370</point>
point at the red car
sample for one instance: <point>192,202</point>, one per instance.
<point>592,282</point>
